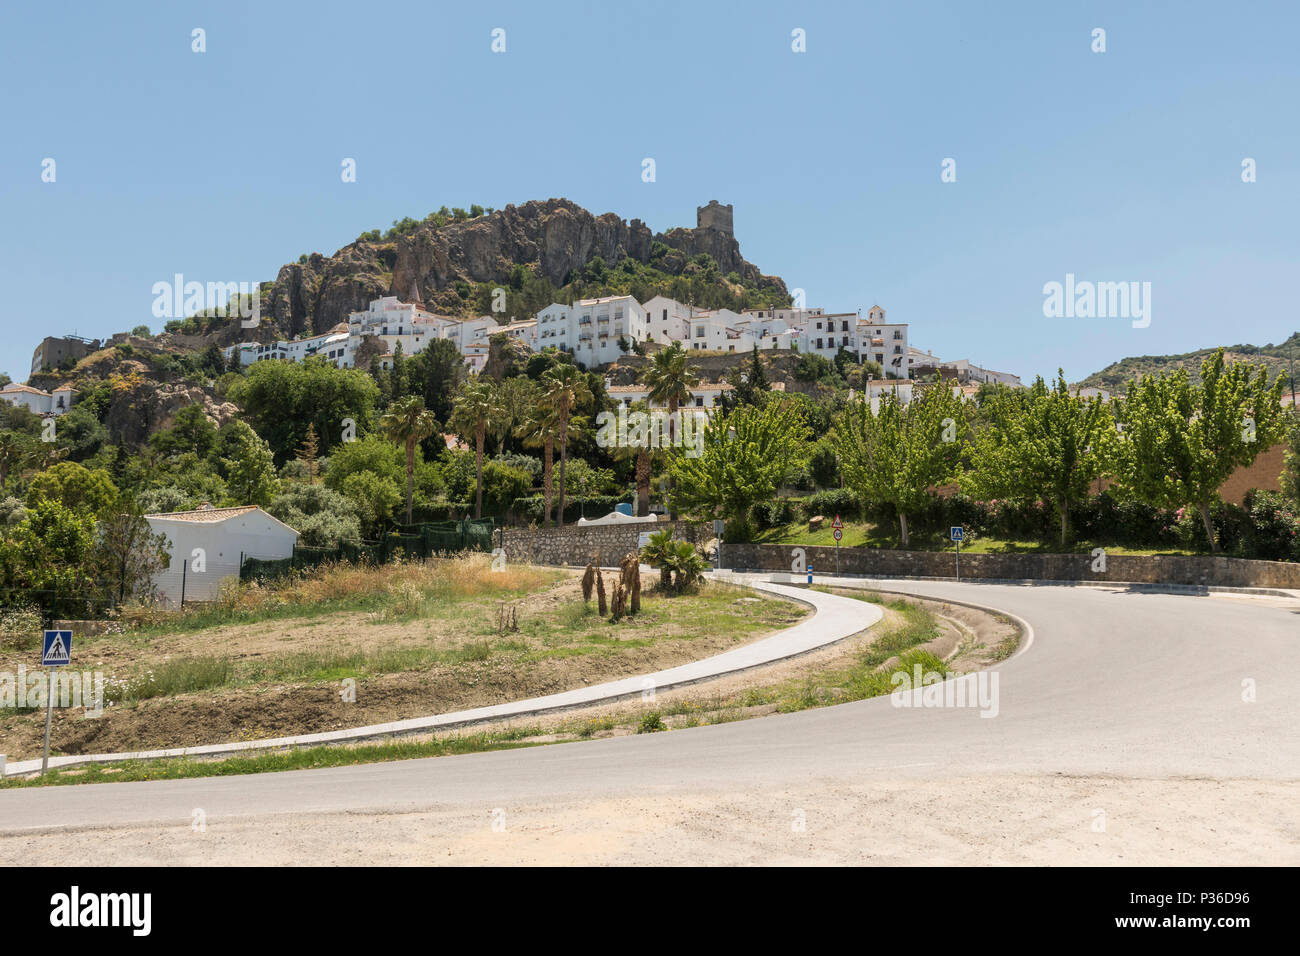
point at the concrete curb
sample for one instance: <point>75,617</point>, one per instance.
<point>1040,582</point>
<point>831,622</point>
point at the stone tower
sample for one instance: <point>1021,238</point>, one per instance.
<point>714,216</point>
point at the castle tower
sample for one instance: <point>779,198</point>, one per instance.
<point>714,216</point>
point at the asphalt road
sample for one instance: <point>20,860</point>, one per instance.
<point>1116,685</point>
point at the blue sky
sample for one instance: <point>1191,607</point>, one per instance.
<point>1115,166</point>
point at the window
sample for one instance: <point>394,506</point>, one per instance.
<point>699,401</point>
<point>845,340</point>
<point>665,315</point>
<point>819,341</point>
<point>844,326</point>
<point>819,326</point>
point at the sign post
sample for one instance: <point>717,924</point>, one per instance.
<point>957,532</point>
<point>56,652</point>
<point>837,530</point>
<point>810,575</point>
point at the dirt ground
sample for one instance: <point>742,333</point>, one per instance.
<point>1005,819</point>
<point>277,709</point>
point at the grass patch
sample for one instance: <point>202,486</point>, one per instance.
<point>860,534</point>
<point>181,676</point>
<point>311,758</point>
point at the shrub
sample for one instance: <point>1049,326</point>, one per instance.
<point>651,723</point>
<point>833,501</point>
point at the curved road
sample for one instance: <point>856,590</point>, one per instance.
<point>1137,728</point>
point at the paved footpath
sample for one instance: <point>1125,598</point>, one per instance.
<point>834,619</point>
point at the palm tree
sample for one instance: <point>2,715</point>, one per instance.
<point>566,391</point>
<point>475,409</point>
<point>670,381</point>
<point>541,429</point>
<point>408,423</point>
<point>644,455</point>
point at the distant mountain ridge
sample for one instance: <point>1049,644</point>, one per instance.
<point>1119,375</point>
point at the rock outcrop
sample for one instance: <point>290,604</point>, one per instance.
<point>555,237</point>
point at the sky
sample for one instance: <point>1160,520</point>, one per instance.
<point>1117,166</point>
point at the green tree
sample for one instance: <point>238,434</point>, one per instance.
<point>128,553</point>
<point>743,458</point>
<point>407,422</point>
<point>474,411</point>
<point>280,399</point>
<point>436,373</point>
<point>46,555</point>
<point>373,497</point>
<point>566,391</point>
<point>670,379</point>
<point>1290,458</point>
<point>15,451</point>
<point>638,448</point>
<point>324,518</point>
<point>898,453</point>
<point>1040,443</point>
<point>75,487</point>
<point>1181,441</point>
<point>250,468</point>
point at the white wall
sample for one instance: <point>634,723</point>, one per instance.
<point>247,534</point>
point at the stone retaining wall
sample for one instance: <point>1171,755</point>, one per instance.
<point>1146,569</point>
<point>603,545</point>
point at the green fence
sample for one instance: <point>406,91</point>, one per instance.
<point>426,540</point>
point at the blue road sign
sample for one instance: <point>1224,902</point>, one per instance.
<point>57,650</point>
<point>957,532</point>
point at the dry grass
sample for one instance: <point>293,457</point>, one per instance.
<point>388,592</point>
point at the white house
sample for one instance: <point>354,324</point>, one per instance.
<point>706,395</point>
<point>37,400</point>
<point>208,545</point>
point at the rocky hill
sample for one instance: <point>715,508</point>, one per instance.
<point>541,251</point>
<point>1117,376</point>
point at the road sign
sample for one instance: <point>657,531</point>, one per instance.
<point>957,532</point>
<point>57,650</point>
<point>838,534</point>
<point>837,524</point>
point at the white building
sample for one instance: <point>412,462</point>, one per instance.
<point>707,396</point>
<point>37,400</point>
<point>667,320</point>
<point>591,330</point>
<point>208,545</point>
<point>884,343</point>
<point>336,345</point>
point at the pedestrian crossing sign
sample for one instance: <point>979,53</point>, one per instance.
<point>57,650</point>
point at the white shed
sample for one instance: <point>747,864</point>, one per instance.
<point>208,545</point>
